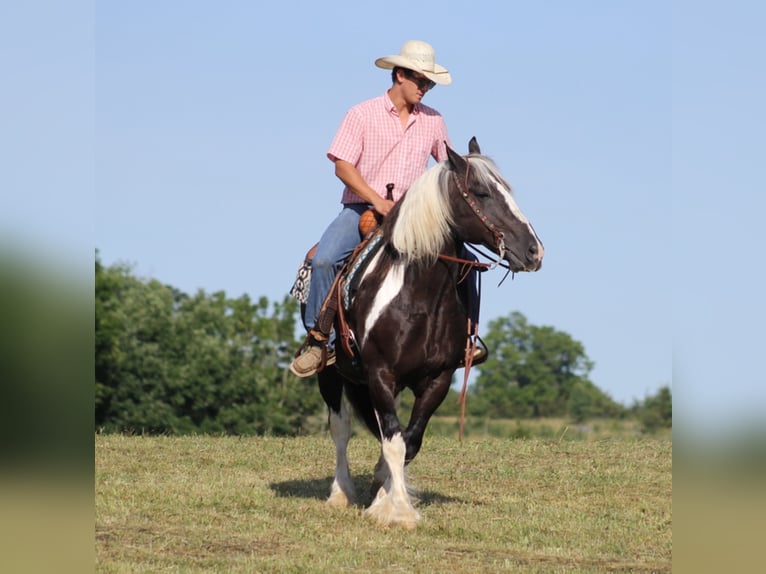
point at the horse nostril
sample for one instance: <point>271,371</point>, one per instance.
<point>534,253</point>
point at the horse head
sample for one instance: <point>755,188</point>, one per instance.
<point>483,210</point>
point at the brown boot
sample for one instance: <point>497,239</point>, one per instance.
<point>308,362</point>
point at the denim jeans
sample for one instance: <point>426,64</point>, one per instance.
<point>336,243</point>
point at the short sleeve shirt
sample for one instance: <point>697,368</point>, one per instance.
<point>372,139</point>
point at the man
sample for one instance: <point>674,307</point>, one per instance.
<point>388,139</point>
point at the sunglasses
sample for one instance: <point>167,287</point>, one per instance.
<point>421,81</point>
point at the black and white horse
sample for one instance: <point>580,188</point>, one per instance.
<point>408,317</point>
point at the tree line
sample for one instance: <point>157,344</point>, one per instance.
<point>169,362</point>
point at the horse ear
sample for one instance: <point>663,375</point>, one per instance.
<point>456,161</point>
<point>473,146</point>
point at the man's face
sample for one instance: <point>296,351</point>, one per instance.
<point>415,86</point>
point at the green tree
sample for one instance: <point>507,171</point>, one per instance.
<point>535,371</point>
<point>111,286</point>
<point>167,362</point>
<point>581,403</point>
<point>656,411</point>
<point>134,346</point>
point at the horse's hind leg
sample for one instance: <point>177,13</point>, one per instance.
<point>359,397</point>
<point>342,489</point>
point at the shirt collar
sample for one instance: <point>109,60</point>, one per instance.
<point>392,108</point>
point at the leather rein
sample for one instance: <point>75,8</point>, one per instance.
<point>467,264</point>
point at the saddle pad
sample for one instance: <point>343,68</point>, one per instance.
<point>302,284</point>
<point>300,289</point>
<point>358,264</point>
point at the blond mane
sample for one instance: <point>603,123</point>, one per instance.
<point>424,217</point>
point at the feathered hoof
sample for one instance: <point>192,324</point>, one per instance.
<point>339,498</point>
<point>388,510</point>
<point>406,520</point>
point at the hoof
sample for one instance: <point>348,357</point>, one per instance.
<point>412,525</point>
<point>408,520</point>
<point>340,498</point>
<point>392,510</point>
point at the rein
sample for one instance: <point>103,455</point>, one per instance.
<point>470,347</point>
<point>467,265</point>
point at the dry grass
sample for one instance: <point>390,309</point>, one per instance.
<point>223,504</point>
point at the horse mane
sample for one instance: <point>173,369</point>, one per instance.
<point>423,223</point>
<point>424,218</point>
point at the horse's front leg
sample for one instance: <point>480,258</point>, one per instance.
<point>392,504</point>
<point>342,490</point>
<point>426,403</point>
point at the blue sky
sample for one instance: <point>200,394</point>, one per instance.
<point>189,138</point>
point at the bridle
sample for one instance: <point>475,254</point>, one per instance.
<point>473,203</point>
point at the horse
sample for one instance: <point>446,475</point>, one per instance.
<point>408,318</point>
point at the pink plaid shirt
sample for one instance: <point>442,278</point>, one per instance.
<point>371,138</point>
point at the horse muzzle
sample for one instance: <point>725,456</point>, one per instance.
<point>529,258</point>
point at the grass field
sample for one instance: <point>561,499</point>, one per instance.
<point>226,504</point>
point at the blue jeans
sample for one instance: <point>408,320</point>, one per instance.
<point>336,243</point>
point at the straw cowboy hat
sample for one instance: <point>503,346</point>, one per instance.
<point>419,57</point>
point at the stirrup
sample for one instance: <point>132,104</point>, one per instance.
<point>483,352</point>
<point>313,336</point>
<point>480,352</point>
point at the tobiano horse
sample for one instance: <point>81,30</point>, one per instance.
<point>408,317</point>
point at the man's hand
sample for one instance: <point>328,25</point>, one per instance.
<point>383,206</point>
<point>349,175</point>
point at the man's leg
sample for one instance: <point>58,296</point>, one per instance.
<point>337,242</point>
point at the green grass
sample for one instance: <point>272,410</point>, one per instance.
<point>545,428</point>
<point>227,504</point>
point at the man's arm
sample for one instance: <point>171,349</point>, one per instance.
<point>351,177</point>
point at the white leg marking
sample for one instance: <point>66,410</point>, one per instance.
<point>380,475</point>
<point>392,505</point>
<point>342,490</point>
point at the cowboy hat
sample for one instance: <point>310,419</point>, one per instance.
<point>419,57</point>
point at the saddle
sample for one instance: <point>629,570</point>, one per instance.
<point>341,292</point>
<point>369,222</point>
